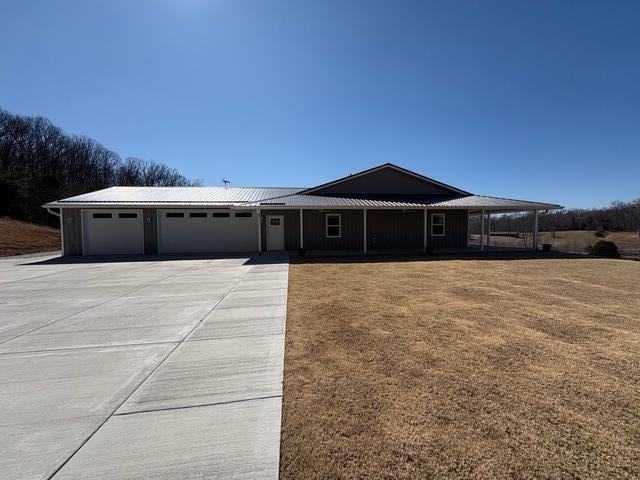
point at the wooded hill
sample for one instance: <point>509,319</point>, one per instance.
<point>39,163</point>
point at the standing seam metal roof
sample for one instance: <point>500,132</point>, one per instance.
<point>483,201</point>
<point>334,202</point>
<point>267,197</point>
<point>468,202</point>
<point>149,195</point>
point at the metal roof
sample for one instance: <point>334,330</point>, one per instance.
<point>267,197</point>
<point>493,203</point>
<point>174,195</point>
<point>304,201</point>
<point>469,202</point>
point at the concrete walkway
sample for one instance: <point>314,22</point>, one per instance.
<point>141,369</point>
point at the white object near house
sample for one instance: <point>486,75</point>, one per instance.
<point>112,232</point>
<point>275,232</point>
<point>191,231</point>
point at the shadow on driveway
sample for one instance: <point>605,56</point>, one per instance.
<point>250,259</point>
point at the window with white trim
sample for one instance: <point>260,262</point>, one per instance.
<point>437,224</point>
<point>333,225</point>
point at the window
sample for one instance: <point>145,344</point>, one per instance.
<point>243,214</point>
<point>198,214</point>
<point>437,224</point>
<point>274,221</point>
<point>333,223</point>
<point>127,215</point>
<point>175,214</point>
<point>101,215</point>
<point>220,215</point>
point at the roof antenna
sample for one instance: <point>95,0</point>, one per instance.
<point>226,182</point>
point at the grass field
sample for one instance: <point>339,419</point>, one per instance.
<point>462,369</point>
<point>18,237</point>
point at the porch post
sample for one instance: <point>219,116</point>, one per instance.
<point>301,232</point>
<point>535,231</point>
<point>364,213</point>
<point>426,216</point>
<point>259,232</point>
<point>482,231</point>
<point>488,229</point>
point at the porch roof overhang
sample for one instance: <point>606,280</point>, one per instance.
<point>471,202</point>
<point>494,204</point>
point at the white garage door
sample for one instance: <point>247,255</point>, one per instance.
<point>201,231</point>
<point>112,232</point>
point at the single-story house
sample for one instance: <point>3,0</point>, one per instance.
<point>383,208</point>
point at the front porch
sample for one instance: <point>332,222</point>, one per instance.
<point>397,231</point>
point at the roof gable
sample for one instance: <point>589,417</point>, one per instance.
<point>387,179</point>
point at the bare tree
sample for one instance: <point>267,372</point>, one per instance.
<point>39,163</point>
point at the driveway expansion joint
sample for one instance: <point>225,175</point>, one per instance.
<point>198,405</point>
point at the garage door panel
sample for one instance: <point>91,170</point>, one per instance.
<point>202,231</point>
<point>112,232</point>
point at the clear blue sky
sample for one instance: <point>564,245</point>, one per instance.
<point>535,100</point>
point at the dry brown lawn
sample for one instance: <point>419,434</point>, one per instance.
<point>18,237</point>
<point>462,369</point>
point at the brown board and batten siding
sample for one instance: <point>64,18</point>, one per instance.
<point>352,230</point>
<point>456,229</point>
<point>389,229</point>
<point>71,231</point>
<point>150,219</point>
<point>385,181</point>
<point>291,228</point>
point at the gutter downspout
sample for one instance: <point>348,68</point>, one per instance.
<point>53,212</point>
<point>259,231</point>
<point>301,251</point>
<point>425,225</point>
<point>536,230</point>
<point>482,231</point>
<point>364,213</point>
<point>59,215</point>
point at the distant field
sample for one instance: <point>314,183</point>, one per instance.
<point>628,242</point>
<point>18,237</point>
<point>576,241</point>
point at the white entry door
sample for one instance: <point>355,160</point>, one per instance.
<point>275,232</point>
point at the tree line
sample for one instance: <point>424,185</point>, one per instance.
<point>619,216</point>
<point>40,163</point>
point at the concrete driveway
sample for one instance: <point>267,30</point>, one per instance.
<point>141,368</point>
